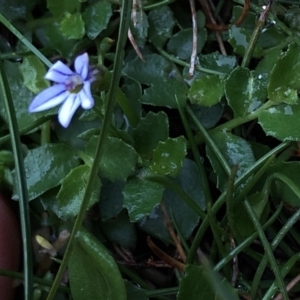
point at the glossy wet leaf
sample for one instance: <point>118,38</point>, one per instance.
<point>244,91</point>
<point>111,199</point>
<point>59,8</point>
<point>161,24</point>
<point>21,97</point>
<point>96,18</point>
<point>217,62</point>
<point>208,116</point>
<point>72,192</point>
<point>47,166</point>
<point>121,231</point>
<point>118,160</point>
<point>190,181</point>
<point>168,156</point>
<point>140,197</point>
<point>33,72</point>
<point>281,121</point>
<point>93,272</point>
<point>198,283</point>
<point>181,44</point>
<point>235,150</point>
<point>285,78</point>
<point>239,39</point>
<point>207,90</point>
<point>72,26</point>
<point>152,129</point>
<point>155,73</point>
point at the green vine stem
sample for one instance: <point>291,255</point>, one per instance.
<point>245,243</point>
<point>209,141</point>
<point>256,33</point>
<point>185,64</point>
<point>21,182</point>
<point>122,38</point>
<point>221,200</point>
<point>267,249</point>
<point>37,280</point>
<point>272,17</point>
<point>277,239</point>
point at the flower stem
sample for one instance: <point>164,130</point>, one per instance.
<point>21,184</point>
<point>122,37</point>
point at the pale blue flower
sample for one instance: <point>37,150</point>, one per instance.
<point>72,89</point>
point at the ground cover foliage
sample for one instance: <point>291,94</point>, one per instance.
<point>182,182</point>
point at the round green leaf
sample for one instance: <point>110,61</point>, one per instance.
<point>168,156</point>
<point>235,150</point>
<point>140,30</point>
<point>21,96</point>
<point>285,78</point>
<point>151,129</point>
<point>72,191</point>
<point>181,44</point>
<point>217,62</point>
<point>93,272</point>
<point>118,161</point>
<point>155,72</point>
<point>140,197</point>
<point>206,90</point>
<point>59,8</point>
<point>239,39</point>
<point>72,26</point>
<point>33,72</point>
<point>96,18</point>
<point>47,166</point>
<point>161,24</point>
<point>245,92</point>
<point>281,121</point>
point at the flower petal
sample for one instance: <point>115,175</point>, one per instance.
<point>50,97</point>
<point>59,72</point>
<point>82,65</point>
<point>86,98</point>
<point>68,109</point>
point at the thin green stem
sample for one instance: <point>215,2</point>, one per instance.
<point>247,241</point>
<point>284,271</point>
<point>157,5</point>
<point>185,64</point>
<point>209,141</point>
<point>255,35</point>
<point>272,17</point>
<point>21,182</point>
<point>40,281</point>
<point>122,38</point>
<point>229,203</point>
<point>277,239</point>
<point>32,126</point>
<point>228,126</point>
<point>46,132</point>
<point>221,200</point>
<point>268,249</point>
<point>23,39</point>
